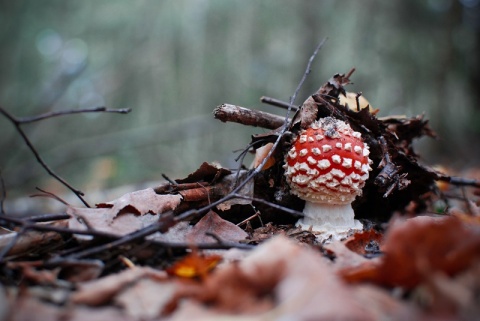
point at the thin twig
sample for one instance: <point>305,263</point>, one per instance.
<point>277,103</point>
<point>49,194</point>
<point>460,181</point>
<point>48,217</point>
<point>17,125</point>
<point>272,205</point>
<point>102,109</point>
<point>168,179</point>
<point>248,219</point>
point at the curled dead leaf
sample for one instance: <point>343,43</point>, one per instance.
<point>350,100</point>
<point>260,154</point>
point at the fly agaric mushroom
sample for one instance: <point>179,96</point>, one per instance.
<point>327,166</point>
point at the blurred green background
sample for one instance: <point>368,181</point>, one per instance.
<point>174,61</point>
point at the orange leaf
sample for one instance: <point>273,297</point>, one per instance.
<point>194,265</point>
<point>260,155</point>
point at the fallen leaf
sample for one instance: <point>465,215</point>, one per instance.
<point>421,246</point>
<point>30,240</point>
<point>343,256</point>
<point>350,100</point>
<point>260,154</point>
<point>194,265</point>
<point>146,298</point>
<point>360,241</point>
<point>100,291</point>
<point>143,202</point>
<point>212,223</point>
<point>206,172</point>
<point>124,215</point>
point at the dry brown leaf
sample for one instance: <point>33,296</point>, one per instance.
<point>100,291</point>
<point>146,298</point>
<point>81,271</point>
<point>214,224</point>
<point>420,246</point>
<point>30,240</point>
<point>360,240</point>
<point>124,215</point>
<point>344,257</point>
<point>143,202</point>
<point>206,172</point>
<point>310,289</point>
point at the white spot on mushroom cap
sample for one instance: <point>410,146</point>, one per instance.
<point>354,176</point>
<point>326,148</point>
<point>365,168</point>
<point>292,153</point>
<point>357,135</point>
<point>316,151</point>
<point>357,165</point>
<point>337,172</point>
<point>333,183</point>
<point>290,171</point>
<point>303,152</point>
<point>302,139</point>
<point>302,167</point>
<point>348,146</point>
<point>301,179</point>
<point>323,164</point>
<point>338,145</point>
<point>366,151</point>
<point>324,178</point>
<point>310,139</point>
<point>347,180</point>
<point>347,162</point>
<point>311,160</point>
<point>336,159</point>
<point>357,149</point>
<point>319,137</point>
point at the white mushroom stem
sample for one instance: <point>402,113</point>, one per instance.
<point>329,219</point>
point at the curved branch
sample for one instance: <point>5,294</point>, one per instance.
<point>17,122</point>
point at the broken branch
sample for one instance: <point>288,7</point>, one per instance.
<point>248,117</point>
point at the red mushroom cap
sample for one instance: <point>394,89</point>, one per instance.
<point>328,163</point>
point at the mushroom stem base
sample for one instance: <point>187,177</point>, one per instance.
<point>329,220</point>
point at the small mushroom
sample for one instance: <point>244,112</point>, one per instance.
<point>327,166</point>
